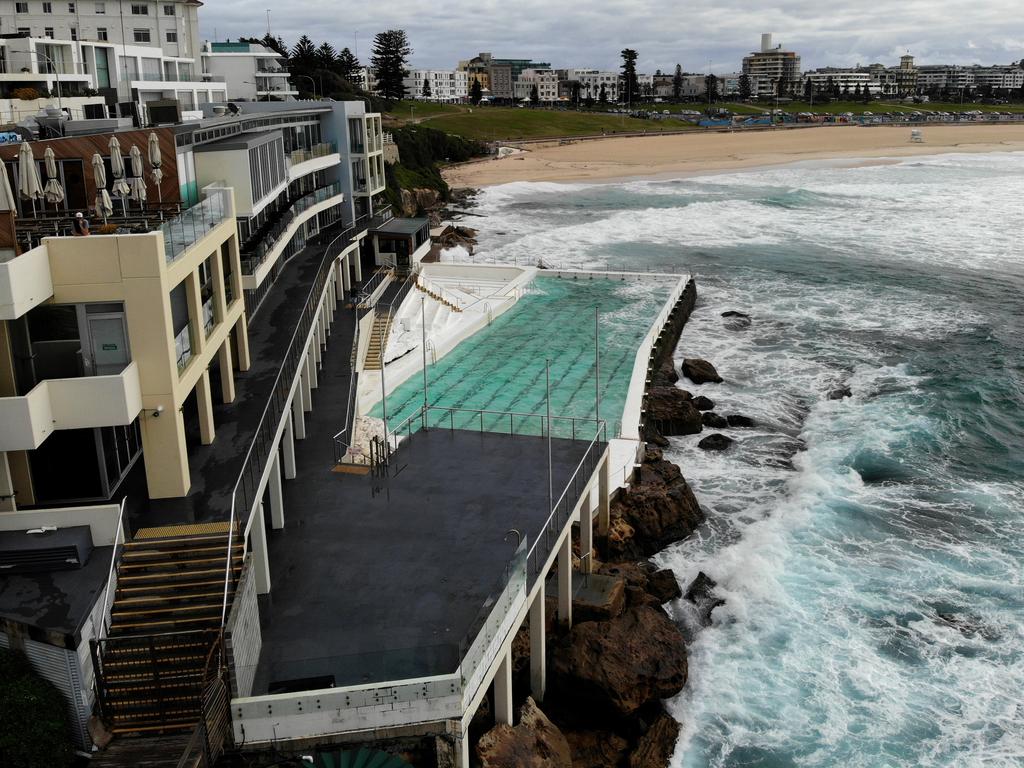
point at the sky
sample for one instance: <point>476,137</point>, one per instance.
<point>703,34</point>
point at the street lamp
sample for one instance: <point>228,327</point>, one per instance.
<point>56,73</point>
<point>312,82</point>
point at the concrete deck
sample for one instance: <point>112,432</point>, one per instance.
<point>379,578</point>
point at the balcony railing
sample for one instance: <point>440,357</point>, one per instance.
<point>192,224</point>
<point>183,347</point>
<point>317,150</point>
<point>255,251</point>
<point>209,316</point>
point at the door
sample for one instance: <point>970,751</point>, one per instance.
<point>102,68</point>
<point>108,338</point>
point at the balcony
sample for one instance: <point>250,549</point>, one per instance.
<point>25,282</point>
<point>317,150</point>
<point>193,224</point>
<point>77,403</point>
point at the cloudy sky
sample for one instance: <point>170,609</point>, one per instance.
<point>577,33</point>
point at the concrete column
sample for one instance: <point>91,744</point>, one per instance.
<point>565,581</point>
<point>227,371</point>
<point>163,443</point>
<point>242,343</point>
<point>276,495</point>
<point>538,650</point>
<point>298,414</point>
<point>204,401</point>
<point>311,361</point>
<point>503,690</point>
<point>305,390</point>
<point>194,299</point>
<point>357,263</point>
<point>315,345</point>
<point>288,447</point>
<point>603,504</point>
<point>260,555</point>
<point>7,499</point>
<point>346,274</point>
<point>462,745</point>
<point>586,535</point>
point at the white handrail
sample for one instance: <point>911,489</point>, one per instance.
<point>118,534</point>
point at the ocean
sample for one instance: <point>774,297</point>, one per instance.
<point>870,549</point>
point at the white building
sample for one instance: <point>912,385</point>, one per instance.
<point>128,51</point>
<point>847,81</point>
<point>769,67</point>
<point>591,81</point>
<point>546,81</point>
<point>447,86</point>
<point>249,71</point>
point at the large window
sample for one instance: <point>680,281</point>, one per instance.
<point>138,9</point>
<point>21,7</point>
<point>168,10</point>
<point>140,35</point>
<point>266,168</point>
<point>172,36</point>
<point>101,8</point>
<point>47,7</point>
<point>101,33</point>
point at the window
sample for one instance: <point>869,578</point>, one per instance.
<point>74,33</point>
<point>48,32</point>
<point>172,37</point>
<point>47,7</point>
<point>71,7</point>
<point>140,35</point>
<point>101,8</point>
<point>168,10</point>
<point>101,33</point>
<point>140,10</point>
<point>21,7</point>
<point>25,31</point>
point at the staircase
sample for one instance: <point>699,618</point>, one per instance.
<point>164,627</point>
<point>440,299</point>
<point>378,340</point>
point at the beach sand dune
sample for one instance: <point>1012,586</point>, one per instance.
<point>687,154</point>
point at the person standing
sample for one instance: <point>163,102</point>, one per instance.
<point>81,225</point>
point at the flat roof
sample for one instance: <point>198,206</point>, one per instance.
<point>378,578</point>
<point>239,141</point>
<point>397,226</point>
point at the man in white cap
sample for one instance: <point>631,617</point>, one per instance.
<point>81,225</point>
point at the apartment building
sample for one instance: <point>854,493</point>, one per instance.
<point>935,78</point>
<point>770,66</point>
<point>592,80</point>
<point>499,75</point>
<point>844,81</point>
<point>250,71</point>
<point>446,86</point>
<point>544,80</point>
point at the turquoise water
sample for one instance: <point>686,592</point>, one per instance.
<point>870,549</point>
<point>502,367</point>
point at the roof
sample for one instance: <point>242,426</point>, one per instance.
<point>398,226</point>
<point>239,141</point>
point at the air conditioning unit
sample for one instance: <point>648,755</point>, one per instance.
<point>45,549</point>
<point>163,111</point>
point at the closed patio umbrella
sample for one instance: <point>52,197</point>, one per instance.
<point>7,201</point>
<point>135,181</point>
<point>28,175</point>
<point>53,191</point>
<point>156,160</point>
<point>120,187</point>
<point>99,176</point>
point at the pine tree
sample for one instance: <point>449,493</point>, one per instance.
<point>304,54</point>
<point>677,83</point>
<point>347,65</point>
<point>326,56</point>
<point>808,89</point>
<point>630,84</point>
<point>275,44</point>
<point>391,50</point>
<point>711,88</point>
<point>426,93</point>
<point>602,96</point>
<point>745,89</point>
<point>534,95</point>
<point>476,93</point>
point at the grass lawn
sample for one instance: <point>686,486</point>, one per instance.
<point>493,123</point>
<point>405,110</point>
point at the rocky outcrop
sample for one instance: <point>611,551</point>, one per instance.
<point>715,442</point>
<point>702,403</point>
<point>663,587</point>
<point>420,199</point>
<point>656,746</point>
<point>736,321</point>
<point>701,593</point>
<point>736,420</point>
<point>700,371</point>
<point>658,509</point>
<point>840,393</point>
<point>534,743</point>
<point>615,667</point>
<point>672,412</point>
<point>713,420</point>
<point>596,749</point>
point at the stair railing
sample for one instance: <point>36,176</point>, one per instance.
<point>119,538</point>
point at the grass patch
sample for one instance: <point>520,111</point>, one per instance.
<point>409,109</point>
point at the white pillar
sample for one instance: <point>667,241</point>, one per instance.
<point>503,690</point>
<point>298,416</point>
<point>603,506</point>
<point>586,535</point>
<point>305,390</point>
<point>345,277</point>
<point>260,555</point>
<point>7,498</point>
<point>288,446</point>
<point>356,262</point>
<point>538,650</point>
<point>565,581</point>
<point>311,371</point>
<point>276,493</point>
<point>339,276</point>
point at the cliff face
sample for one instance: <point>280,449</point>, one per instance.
<point>422,151</point>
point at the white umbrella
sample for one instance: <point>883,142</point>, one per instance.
<point>7,202</point>
<point>53,191</point>
<point>156,160</point>
<point>135,182</point>
<point>28,175</point>
<point>99,175</point>
<point>120,187</point>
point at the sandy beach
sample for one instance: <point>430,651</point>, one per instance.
<point>686,154</point>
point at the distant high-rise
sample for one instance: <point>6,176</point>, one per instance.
<point>770,67</point>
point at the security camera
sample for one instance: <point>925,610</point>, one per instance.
<point>157,411</point>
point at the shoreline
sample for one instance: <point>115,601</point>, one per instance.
<point>675,156</point>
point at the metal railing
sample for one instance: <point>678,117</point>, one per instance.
<point>374,287</point>
<point>343,438</point>
<point>243,495</point>
<point>191,225</point>
<point>317,150</point>
<point>255,250</point>
<point>119,538</point>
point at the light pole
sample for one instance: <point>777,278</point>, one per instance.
<point>56,74</point>
<point>312,82</point>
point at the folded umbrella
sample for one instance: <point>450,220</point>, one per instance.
<point>28,175</point>
<point>53,191</point>
<point>138,186</point>
<point>119,187</point>
<point>99,176</point>
<point>7,201</point>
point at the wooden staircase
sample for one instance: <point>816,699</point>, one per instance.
<point>438,297</point>
<point>378,340</point>
<point>164,628</point>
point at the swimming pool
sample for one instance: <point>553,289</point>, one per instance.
<point>502,367</point>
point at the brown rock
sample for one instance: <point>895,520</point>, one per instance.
<point>713,420</point>
<point>596,749</point>
<point>535,743</point>
<point>635,574</point>
<point>617,666</point>
<point>657,513</point>
<point>702,403</point>
<point>700,371</point>
<point>663,586</point>
<point>665,375</point>
<point>656,746</point>
<point>613,602</point>
<point>672,412</point>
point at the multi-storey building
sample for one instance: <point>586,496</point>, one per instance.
<point>499,75</point>
<point>770,66</point>
<point>544,80</point>
<point>250,71</point>
<point>592,80</point>
<point>446,86</point>
<point>843,81</point>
